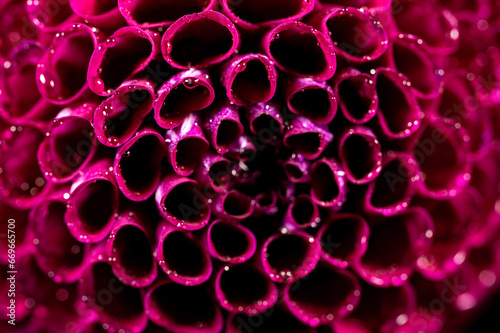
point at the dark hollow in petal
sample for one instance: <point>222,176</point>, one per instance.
<point>183,255</point>
<point>183,99</point>
<point>287,252</point>
<point>227,133</point>
<point>124,305</point>
<point>264,199</point>
<point>306,143</point>
<point>237,204</point>
<point>57,246</point>
<point>257,11</point>
<point>133,251</point>
<point>293,172</point>
<point>199,42</point>
<point>140,164</point>
<point>244,285</point>
<point>393,104</point>
<point>298,51</point>
<point>189,151</point>
<point>228,240</point>
<point>121,60</point>
<point>341,237</point>
<point>303,210</point>
<point>184,305</point>
<point>182,205</point>
<point>355,97</point>
<point>252,85</point>
<point>358,154</point>
<point>277,321</point>
<point>387,191</point>
<point>94,7</point>
<point>95,204</point>
<point>144,11</point>
<point>323,184</point>
<point>264,122</point>
<point>313,103</point>
<point>219,173</point>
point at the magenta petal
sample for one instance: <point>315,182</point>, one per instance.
<point>360,154</point>
<point>289,257</point>
<point>399,113</point>
<point>357,96</point>
<point>306,137</point>
<point>230,242</point>
<point>265,203</point>
<point>186,144</point>
<point>16,219</point>
<point>214,172</point>
<point>130,247</point>
<point>243,288</point>
<point>311,99</point>
<point>301,213</point>
<point>301,50</point>
<point>296,169</point>
<point>120,115</point>
<point>62,71</point>
<point>137,166</point>
<point>328,186</point>
<point>181,202</point>
<point>182,257</point>
<point>118,305</point>
<point>49,15</point>
<point>92,203</point>
<point>233,204</point>
<point>199,40</point>
<point>183,93</point>
<point>254,14</point>
<point>183,309</point>
<point>356,35</point>
<point>265,120</point>
<point>372,6</point>
<point>326,293</point>
<point>126,52</point>
<point>249,79</point>
<point>343,239</point>
<point>102,14</point>
<point>223,127</point>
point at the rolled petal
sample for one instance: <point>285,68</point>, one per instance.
<point>183,93</point>
<point>102,14</point>
<point>118,305</point>
<point>183,309</point>
<point>356,35</point>
<point>181,256</point>
<point>289,257</point>
<point>223,127</point>
<point>21,181</point>
<point>394,245</point>
<point>214,172</point>
<point>16,27</point>
<point>242,150</point>
<point>301,213</point>
<point>58,253</point>
<point>233,204</point>
<point>251,15</point>
<point>147,14</point>
<point>126,52</point>
<point>306,137</point>
<point>130,246</point>
<point>301,50</point>
<point>186,144</point>
<point>230,242</point>
<point>49,15</point>
<point>62,71</point>
<point>249,79</point>
<point>199,40</point>
<point>394,188</point>
<point>311,99</point>
<point>181,202</point>
<point>399,114</point>
<point>69,145</point>
<point>343,239</point>
<point>264,119</point>
<point>296,169</point>
<point>244,289</point>
<point>357,96</point>
<point>441,153</point>
<point>360,154</point>
<point>120,115</point>
<point>137,164</point>
<point>409,58</point>
<point>326,294</point>
<point>92,203</point>
<point>266,203</point>
<point>328,187</point>
<point>373,6</point>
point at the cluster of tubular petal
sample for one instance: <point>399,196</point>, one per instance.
<point>249,166</point>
